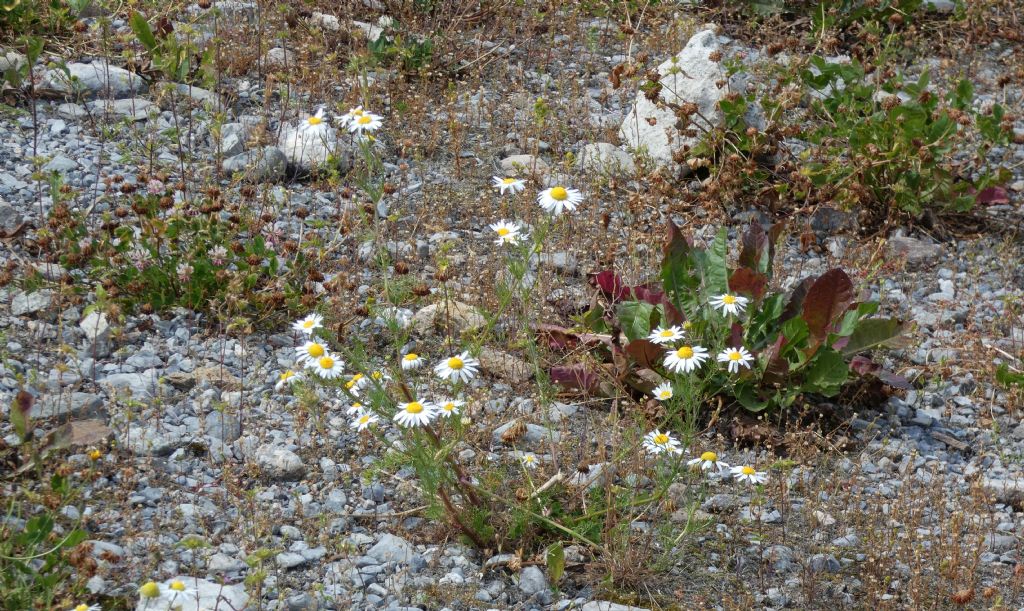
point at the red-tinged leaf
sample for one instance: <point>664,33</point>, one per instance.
<point>748,282</point>
<point>754,243</point>
<point>609,283</point>
<point>675,241</point>
<point>646,292</point>
<point>646,353</point>
<point>736,335</point>
<point>864,366</point>
<point>826,301</point>
<point>21,407</point>
<point>576,377</point>
<point>796,300</point>
<point>990,196</point>
<point>558,338</point>
<point>774,234</point>
<point>776,367</point>
<point>841,343</point>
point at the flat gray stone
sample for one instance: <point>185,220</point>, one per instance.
<point>98,79</point>
<point>136,109</point>
<point>30,303</point>
<point>67,404</point>
<point>268,164</point>
<point>390,548</point>
<point>61,164</point>
<point>605,158</point>
<point>279,464</point>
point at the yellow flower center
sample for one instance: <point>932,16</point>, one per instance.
<point>661,439</point>
<point>728,299</point>
<point>508,181</point>
<point>308,324</point>
<point>82,608</point>
<point>412,356</point>
<point>687,325</point>
<point>315,350</point>
<point>503,231</point>
<point>665,394</point>
<point>685,352</point>
<point>364,419</point>
<point>735,355</point>
<point>377,375</point>
<point>286,375</point>
<point>559,193</point>
<point>709,456</point>
<point>414,408</point>
<point>529,458</point>
<point>95,455</point>
<point>315,120</point>
<point>448,406</point>
<point>150,590</point>
<point>667,333</point>
<point>178,586</point>
<point>326,362</point>
<point>363,120</point>
<point>455,363</point>
<point>748,471</point>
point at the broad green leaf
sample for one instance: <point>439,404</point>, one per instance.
<point>747,395</point>
<point>716,270</point>
<point>635,318</point>
<point>872,333</point>
<point>827,372</point>
<point>556,562</point>
<point>142,31</point>
<point>678,272</point>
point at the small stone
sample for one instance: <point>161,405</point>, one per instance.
<point>10,219</point>
<point>279,57</point>
<point>67,404</point>
<point>390,548</point>
<point>533,434</point>
<point>524,165</point>
<point>30,303</point>
<point>136,109</point>
<point>823,563</point>
<point>603,605</point>
<point>61,165</point>
<point>279,464</point>
<point>533,581</point>
<point>914,251</point>
<point>268,164</point>
<point>463,318</point>
<point>606,158</point>
<point>71,111</point>
<point>504,365</point>
<point>98,79</point>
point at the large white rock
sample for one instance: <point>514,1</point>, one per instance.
<point>203,595</point>
<point>308,147</point>
<point>690,76</point>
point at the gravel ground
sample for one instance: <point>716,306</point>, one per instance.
<point>205,449</point>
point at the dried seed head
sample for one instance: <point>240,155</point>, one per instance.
<point>514,432</point>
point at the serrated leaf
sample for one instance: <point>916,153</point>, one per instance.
<point>142,31</point>
<point>827,372</point>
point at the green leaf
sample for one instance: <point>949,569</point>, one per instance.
<point>556,562</point>
<point>142,31</point>
<point>678,272</point>
<point>796,332</point>
<point>828,371</point>
<point>872,333</point>
<point>635,318</point>
<point>716,270</point>
<point>747,395</point>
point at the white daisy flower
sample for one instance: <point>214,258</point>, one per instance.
<point>529,460</point>
<point>657,442</point>
<point>411,361</point>
<point>661,335</point>
<point>327,367</point>
<point>748,474</point>
<point>663,391</point>
<point>308,324</point>
<point>449,407</point>
<point>310,351</point>
<point>730,304</point>
<point>708,461</point>
<point>350,116</point>
<point>558,199</point>
<point>460,368</point>
<point>365,123</point>
<point>513,185</point>
<point>364,421</point>
<point>355,408</point>
<point>508,232</point>
<point>287,378</point>
<point>415,413</point>
<point>356,383</point>
<point>315,123</point>
<point>686,359</point>
<point>735,357</point>
<point>85,607</point>
<point>178,594</point>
